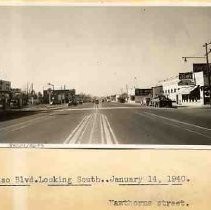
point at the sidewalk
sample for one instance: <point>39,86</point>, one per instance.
<point>35,108</point>
<point>175,106</point>
<point>44,107</point>
<point>194,107</point>
<point>10,114</point>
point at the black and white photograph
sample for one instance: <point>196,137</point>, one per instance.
<point>107,75</point>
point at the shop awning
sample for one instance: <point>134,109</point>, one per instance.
<point>187,90</point>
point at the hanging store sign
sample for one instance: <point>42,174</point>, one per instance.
<point>143,92</point>
<point>186,76</point>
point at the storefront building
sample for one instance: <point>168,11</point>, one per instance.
<point>143,96</point>
<point>157,91</point>
<point>131,95</point>
<point>189,88</point>
<point>58,96</point>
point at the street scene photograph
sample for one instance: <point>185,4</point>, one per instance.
<point>105,75</point>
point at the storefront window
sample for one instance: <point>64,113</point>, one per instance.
<point>194,96</point>
<point>185,98</point>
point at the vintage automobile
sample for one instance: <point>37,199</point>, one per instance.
<point>14,104</point>
<point>161,101</point>
<point>73,102</point>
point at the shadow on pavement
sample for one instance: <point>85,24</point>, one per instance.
<point>14,114</point>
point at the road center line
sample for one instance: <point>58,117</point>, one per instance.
<point>102,131</point>
<point>78,133</point>
<point>111,131</point>
<point>84,129</point>
<point>107,133</point>
<point>93,126</point>
<point>74,131</point>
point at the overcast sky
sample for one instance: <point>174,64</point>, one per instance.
<point>99,50</point>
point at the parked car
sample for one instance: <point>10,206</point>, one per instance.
<point>121,100</point>
<point>161,101</point>
<point>14,104</point>
<point>73,103</point>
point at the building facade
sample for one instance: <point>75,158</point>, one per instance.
<point>189,88</point>
<point>157,91</point>
<point>58,96</point>
<point>5,90</point>
<point>143,96</point>
<point>131,95</point>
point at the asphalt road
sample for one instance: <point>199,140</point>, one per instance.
<point>110,123</point>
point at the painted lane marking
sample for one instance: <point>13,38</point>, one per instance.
<point>107,135</point>
<point>178,121</point>
<point>107,132</point>
<point>83,130</point>
<point>201,134</point>
<point>93,126</point>
<point>78,133</point>
<point>111,131</point>
<point>102,131</point>
<point>178,126</point>
<point>74,131</point>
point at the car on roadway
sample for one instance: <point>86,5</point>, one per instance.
<point>161,101</point>
<point>121,100</point>
<point>73,102</point>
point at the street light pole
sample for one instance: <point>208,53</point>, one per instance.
<point>208,68</point>
<point>51,85</point>
<point>185,58</point>
<point>49,92</point>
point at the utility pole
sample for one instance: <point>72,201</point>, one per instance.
<point>27,93</point>
<point>208,68</point>
<point>32,94</point>
<point>127,91</point>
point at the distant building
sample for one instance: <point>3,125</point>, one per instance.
<point>18,98</point>
<point>143,96</point>
<point>171,88</point>
<point>58,96</point>
<point>157,91</point>
<point>5,88</point>
<point>131,95</point>
<point>139,95</point>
